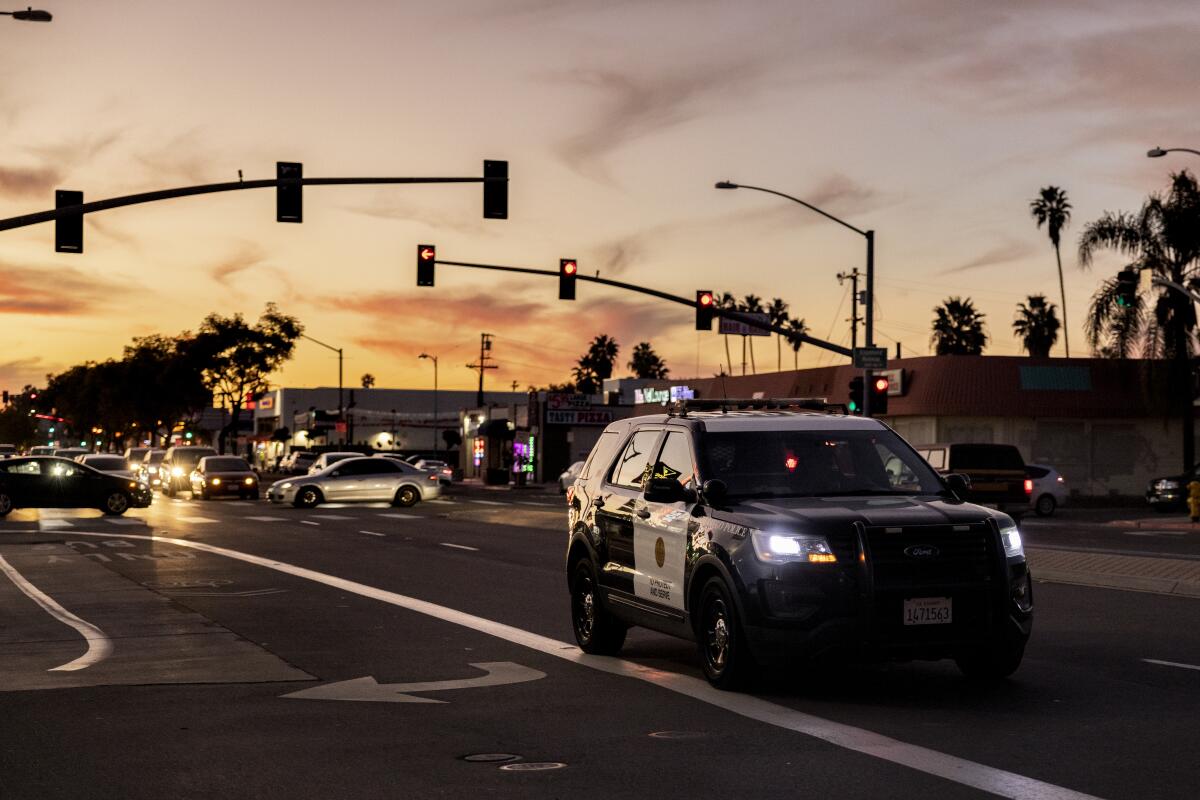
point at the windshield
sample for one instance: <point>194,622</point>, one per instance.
<point>106,463</point>
<point>816,464</point>
<point>225,465</point>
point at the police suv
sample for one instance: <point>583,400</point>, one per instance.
<point>773,530</point>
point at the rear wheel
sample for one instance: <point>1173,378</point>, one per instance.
<point>6,504</point>
<point>724,655</point>
<point>115,504</point>
<point>596,631</point>
<point>406,496</point>
<point>1045,505</point>
<point>308,497</point>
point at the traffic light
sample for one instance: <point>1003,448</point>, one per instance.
<point>426,256</point>
<point>495,192</point>
<point>289,200</point>
<point>68,230</point>
<point>1127,283</point>
<point>879,394</point>
<point>704,309</point>
<point>567,269</point>
<point>855,403</point>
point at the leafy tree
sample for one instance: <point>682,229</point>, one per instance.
<point>168,378</point>
<point>796,328</point>
<point>646,363</point>
<point>452,438</point>
<point>777,312</point>
<point>238,357</point>
<point>1050,208</point>
<point>1036,325</point>
<point>596,365</point>
<point>368,380</point>
<point>1163,238</point>
<point>17,423</point>
<point>958,328</point>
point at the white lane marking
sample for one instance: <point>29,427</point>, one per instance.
<point>98,645</point>
<point>1171,664</point>
<point>373,533</point>
<point>459,546</point>
<point>198,520</point>
<point>331,516</point>
<point>52,524</point>
<point>124,521</point>
<point>401,516</point>
<point>309,522</point>
<point>487,502</point>
<point>932,762</point>
<point>268,519</point>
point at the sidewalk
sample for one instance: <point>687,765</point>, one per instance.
<point>1176,576</point>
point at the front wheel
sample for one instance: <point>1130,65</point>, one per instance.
<point>6,504</point>
<point>1045,505</point>
<point>596,631</point>
<point>307,497</point>
<point>727,661</point>
<point>407,496</point>
<point>116,504</point>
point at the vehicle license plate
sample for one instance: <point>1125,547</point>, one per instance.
<point>927,611</point>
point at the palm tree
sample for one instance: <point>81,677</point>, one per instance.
<point>601,356</point>
<point>646,363</point>
<point>729,302</point>
<point>777,312</point>
<point>1050,208</point>
<point>368,380</point>
<point>958,328</point>
<point>795,328</point>
<point>1037,325</point>
<point>1162,238</point>
<point>751,304</point>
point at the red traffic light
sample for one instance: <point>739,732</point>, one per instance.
<point>881,384</point>
<point>426,259</point>
<point>705,299</point>
<point>569,267</point>
<point>427,254</point>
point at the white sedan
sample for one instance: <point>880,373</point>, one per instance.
<point>1049,489</point>
<point>567,478</point>
<point>361,479</point>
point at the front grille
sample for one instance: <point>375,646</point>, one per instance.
<point>963,556</point>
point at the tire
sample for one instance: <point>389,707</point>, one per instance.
<point>308,497</point>
<point>6,504</point>
<point>724,655</point>
<point>1045,505</point>
<point>596,631</point>
<point>993,663</point>
<point>115,504</point>
<point>406,497</point>
<point>169,488</point>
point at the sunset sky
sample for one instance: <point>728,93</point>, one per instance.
<point>934,123</point>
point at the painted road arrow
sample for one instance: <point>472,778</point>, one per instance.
<point>367,689</point>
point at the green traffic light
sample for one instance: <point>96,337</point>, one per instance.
<point>852,406</point>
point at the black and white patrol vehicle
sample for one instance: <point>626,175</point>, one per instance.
<point>775,531</point>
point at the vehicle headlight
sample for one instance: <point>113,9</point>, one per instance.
<point>249,481</point>
<point>132,485</point>
<point>1010,536</point>
<point>177,471</point>
<point>216,481</point>
<point>1166,484</point>
<point>782,548</point>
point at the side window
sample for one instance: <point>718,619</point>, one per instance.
<point>631,468</point>
<point>601,454</point>
<point>936,457</point>
<point>675,459</point>
<point>899,476</point>
<point>356,468</point>
<point>25,468</point>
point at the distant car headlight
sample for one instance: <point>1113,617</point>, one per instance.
<point>1010,536</point>
<point>177,471</point>
<point>249,481</point>
<point>1164,485</point>
<point>216,481</point>
<point>782,548</point>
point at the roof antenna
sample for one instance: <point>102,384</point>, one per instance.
<point>724,395</point>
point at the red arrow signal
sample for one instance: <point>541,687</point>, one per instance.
<point>427,254</point>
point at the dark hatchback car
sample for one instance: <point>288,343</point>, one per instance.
<point>218,475</point>
<point>1169,493</point>
<point>769,536</point>
<point>49,482</point>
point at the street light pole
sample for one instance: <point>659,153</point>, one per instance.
<point>1159,152</point>
<point>30,14</point>
<point>869,322</point>
<point>436,448</point>
<point>341,405</point>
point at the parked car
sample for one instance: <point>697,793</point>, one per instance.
<point>326,459</point>
<point>41,450</point>
<point>300,463</point>
<point>70,452</point>
<point>358,479</point>
<point>568,477</point>
<point>149,471</point>
<point>177,465</point>
<point>217,475</point>
<point>996,473</point>
<point>1169,492</point>
<point>443,471</point>
<point>107,462</point>
<point>50,482</point>
<point>8,450</point>
<point>1049,489</point>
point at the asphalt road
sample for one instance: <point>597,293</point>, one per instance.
<point>355,605</point>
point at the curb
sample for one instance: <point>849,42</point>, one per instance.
<point>1132,583</point>
<point>1153,524</point>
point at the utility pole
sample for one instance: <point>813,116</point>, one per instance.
<point>853,277</point>
<point>485,355</point>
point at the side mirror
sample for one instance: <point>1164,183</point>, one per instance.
<point>714,492</point>
<point>959,484</point>
<point>663,490</point>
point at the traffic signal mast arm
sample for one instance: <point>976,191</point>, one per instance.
<point>749,319</point>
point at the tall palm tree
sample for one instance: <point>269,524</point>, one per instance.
<point>1037,325</point>
<point>1164,238</point>
<point>958,328</point>
<point>751,304</point>
<point>729,302</point>
<point>646,363</point>
<point>795,327</point>
<point>1050,208</point>
<point>777,312</point>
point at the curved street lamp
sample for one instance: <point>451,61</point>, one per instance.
<point>30,14</point>
<point>1159,152</point>
<point>869,322</point>
<point>436,448</point>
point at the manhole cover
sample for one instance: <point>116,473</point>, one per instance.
<point>533,766</point>
<point>678,735</point>
<point>491,757</point>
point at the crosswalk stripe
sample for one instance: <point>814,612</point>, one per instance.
<point>123,521</point>
<point>487,502</point>
<point>51,524</point>
<point>199,520</point>
<point>401,516</point>
<point>267,519</point>
<point>330,516</point>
